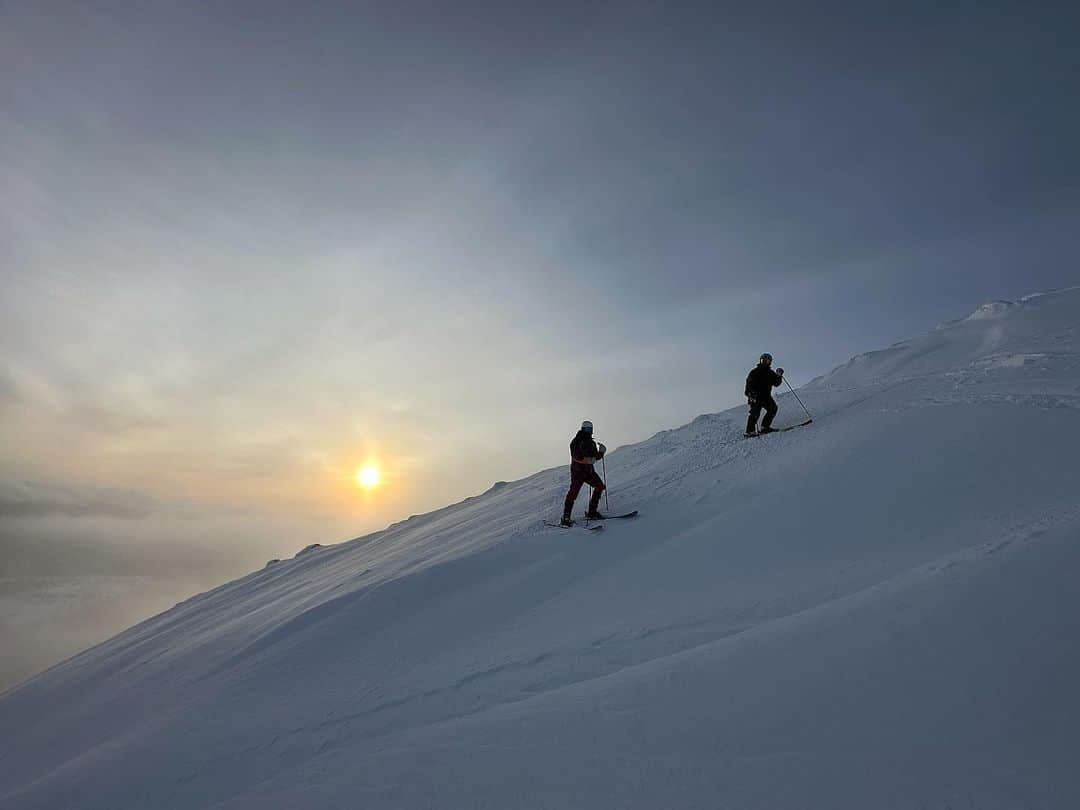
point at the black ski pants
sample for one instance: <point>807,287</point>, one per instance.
<point>581,474</point>
<point>766,403</point>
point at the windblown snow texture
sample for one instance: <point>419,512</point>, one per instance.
<point>879,611</point>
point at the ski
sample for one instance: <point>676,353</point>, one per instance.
<point>575,526</point>
<point>777,430</point>
<point>618,517</point>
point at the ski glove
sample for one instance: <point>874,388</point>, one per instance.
<point>780,372</point>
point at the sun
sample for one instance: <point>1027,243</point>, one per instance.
<point>368,476</point>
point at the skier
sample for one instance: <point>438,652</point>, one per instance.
<point>759,385</point>
<point>584,452</point>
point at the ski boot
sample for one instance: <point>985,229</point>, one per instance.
<point>593,515</point>
<point>767,430</point>
<point>566,521</point>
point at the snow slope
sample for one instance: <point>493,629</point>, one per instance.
<point>880,610</point>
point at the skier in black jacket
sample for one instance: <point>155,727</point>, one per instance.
<point>759,385</point>
<point>584,452</point>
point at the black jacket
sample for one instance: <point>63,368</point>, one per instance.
<point>760,382</point>
<point>583,450</point>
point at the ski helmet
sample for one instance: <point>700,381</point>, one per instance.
<point>765,358</point>
<point>586,426</point>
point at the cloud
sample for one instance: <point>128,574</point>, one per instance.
<point>25,499</point>
<point>18,387</point>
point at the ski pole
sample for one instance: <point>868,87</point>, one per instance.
<point>808,416</point>
<point>607,503</point>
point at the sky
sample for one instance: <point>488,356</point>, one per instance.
<point>246,248</point>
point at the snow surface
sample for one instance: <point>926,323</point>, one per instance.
<point>880,610</point>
